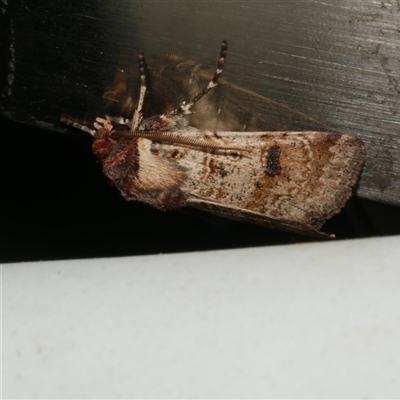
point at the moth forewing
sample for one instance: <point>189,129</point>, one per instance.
<point>287,180</point>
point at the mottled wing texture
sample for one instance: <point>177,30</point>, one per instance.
<point>291,181</point>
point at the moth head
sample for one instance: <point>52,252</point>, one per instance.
<point>103,134</point>
<point>103,143</point>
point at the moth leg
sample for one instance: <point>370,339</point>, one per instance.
<point>171,120</point>
<point>103,123</point>
<point>77,125</point>
<point>138,114</point>
<point>185,107</point>
<point>118,120</point>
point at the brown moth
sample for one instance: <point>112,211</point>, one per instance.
<point>286,180</point>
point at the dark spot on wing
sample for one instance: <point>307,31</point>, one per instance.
<point>273,164</point>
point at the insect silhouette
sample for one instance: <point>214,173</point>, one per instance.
<point>285,180</point>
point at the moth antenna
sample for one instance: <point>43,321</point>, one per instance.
<point>185,107</point>
<point>172,137</point>
<point>138,115</point>
<point>77,125</point>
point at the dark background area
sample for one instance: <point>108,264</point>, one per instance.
<point>56,204</point>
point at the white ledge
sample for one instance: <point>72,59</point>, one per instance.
<point>309,320</point>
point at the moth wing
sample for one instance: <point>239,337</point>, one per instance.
<point>288,180</point>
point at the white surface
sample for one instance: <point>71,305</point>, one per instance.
<point>314,320</point>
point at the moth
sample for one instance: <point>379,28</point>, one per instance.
<point>286,180</point>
